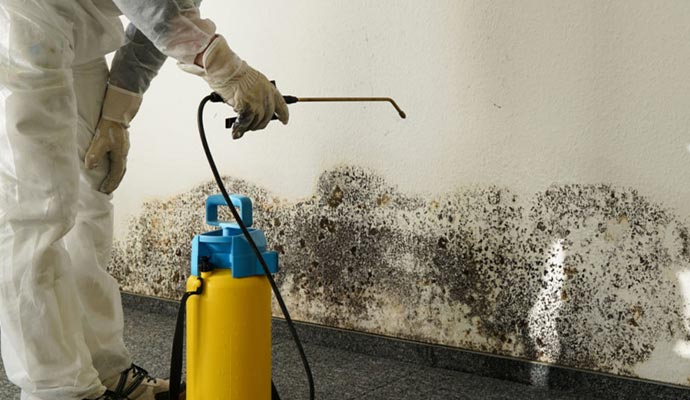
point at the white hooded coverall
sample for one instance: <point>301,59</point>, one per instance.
<point>60,311</point>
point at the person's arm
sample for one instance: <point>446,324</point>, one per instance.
<point>133,68</point>
<point>177,30</point>
<point>136,63</point>
<point>174,27</point>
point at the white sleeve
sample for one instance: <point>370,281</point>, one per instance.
<point>174,26</point>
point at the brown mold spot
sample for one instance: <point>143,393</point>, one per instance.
<point>336,197</point>
<point>570,272</point>
<point>383,201</point>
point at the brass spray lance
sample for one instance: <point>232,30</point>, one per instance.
<point>292,100</point>
<point>346,99</point>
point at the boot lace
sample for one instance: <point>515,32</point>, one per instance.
<point>123,390</point>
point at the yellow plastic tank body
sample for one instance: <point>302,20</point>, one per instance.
<point>229,338</point>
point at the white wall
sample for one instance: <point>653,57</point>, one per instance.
<point>521,94</point>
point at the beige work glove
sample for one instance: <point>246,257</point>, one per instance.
<point>111,138</point>
<point>247,90</point>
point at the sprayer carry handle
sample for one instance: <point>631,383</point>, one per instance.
<point>230,122</point>
<point>244,204</point>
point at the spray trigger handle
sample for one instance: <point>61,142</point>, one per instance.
<point>229,122</point>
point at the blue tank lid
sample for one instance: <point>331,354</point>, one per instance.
<point>227,248</point>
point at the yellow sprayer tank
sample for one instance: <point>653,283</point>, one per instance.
<point>229,323</point>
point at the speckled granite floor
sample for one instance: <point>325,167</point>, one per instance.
<point>338,374</point>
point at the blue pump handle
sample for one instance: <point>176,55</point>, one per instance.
<point>243,203</point>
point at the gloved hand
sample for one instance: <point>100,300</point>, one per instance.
<point>112,138</point>
<point>248,91</point>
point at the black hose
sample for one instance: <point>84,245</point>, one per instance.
<point>214,97</point>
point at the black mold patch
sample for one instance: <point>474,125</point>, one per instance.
<point>579,275</point>
<point>617,282</point>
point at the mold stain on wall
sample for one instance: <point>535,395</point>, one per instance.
<point>579,275</point>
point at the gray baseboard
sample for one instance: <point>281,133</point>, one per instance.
<point>604,386</point>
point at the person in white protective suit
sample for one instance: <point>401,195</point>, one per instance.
<point>63,148</point>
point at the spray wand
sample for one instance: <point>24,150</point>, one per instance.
<point>292,100</point>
